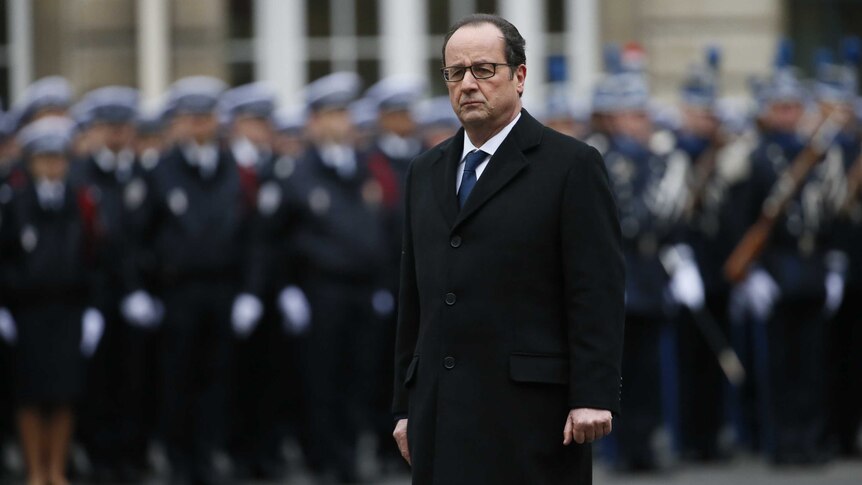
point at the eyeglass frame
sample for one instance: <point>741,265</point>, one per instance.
<point>470,68</point>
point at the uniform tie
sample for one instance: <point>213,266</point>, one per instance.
<point>468,181</point>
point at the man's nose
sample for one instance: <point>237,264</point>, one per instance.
<point>469,82</point>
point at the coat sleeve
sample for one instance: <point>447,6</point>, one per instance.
<point>408,310</point>
<point>594,285</point>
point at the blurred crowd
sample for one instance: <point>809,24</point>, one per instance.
<point>207,280</point>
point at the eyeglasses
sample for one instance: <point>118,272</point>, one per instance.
<point>483,70</point>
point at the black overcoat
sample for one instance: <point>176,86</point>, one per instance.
<point>511,311</point>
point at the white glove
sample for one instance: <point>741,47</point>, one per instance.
<point>247,310</point>
<point>140,309</point>
<point>7,327</point>
<point>92,328</point>
<point>762,292</point>
<point>295,310</point>
<point>383,302</point>
<point>686,285</point>
<point>834,293</point>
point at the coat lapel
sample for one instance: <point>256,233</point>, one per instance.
<point>508,161</point>
<point>444,177</point>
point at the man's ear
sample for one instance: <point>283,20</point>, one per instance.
<point>520,77</point>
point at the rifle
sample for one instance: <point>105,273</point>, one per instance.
<point>854,184</point>
<point>729,362</point>
<point>703,168</point>
<point>785,188</point>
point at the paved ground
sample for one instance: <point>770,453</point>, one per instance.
<point>741,471</point>
<point>745,470</point>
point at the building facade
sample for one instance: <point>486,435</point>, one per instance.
<point>149,43</point>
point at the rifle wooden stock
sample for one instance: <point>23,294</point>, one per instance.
<point>854,183</point>
<point>748,249</point>
<point>783,191</point>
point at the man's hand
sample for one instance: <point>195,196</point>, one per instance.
<point>400,435</point>
<point>584,425</point>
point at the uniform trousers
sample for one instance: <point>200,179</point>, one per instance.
<point>845,372</point>
<point>641,394</point>
<point>197,357</point>
<point>336,369</point>
<point>796,385</point>
<point>701,383</point>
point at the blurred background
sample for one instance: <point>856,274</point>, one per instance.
<point>149,44</point>
<point>200,224</point>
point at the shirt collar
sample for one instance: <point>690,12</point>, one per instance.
<point>493,143</point>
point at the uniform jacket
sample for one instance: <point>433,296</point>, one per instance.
<point>196,227</point>
<point>332,225</point>
<point>510,312</point>
<point>639,180</point>
<point>117,216</point>
<point>47,255</point>
<point>795,254</point>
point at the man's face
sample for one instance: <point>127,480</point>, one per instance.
<point>700,121</point>
<point>114,136</point>
<point>784,116</point>
<point>201,128</point>
<point>256,130</point>
<point>634,124</point>
<point>491,102</point>
<point>398,122</point>
<point>49,166</point>
<point>331,126</point>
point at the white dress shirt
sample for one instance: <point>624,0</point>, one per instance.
<point>490,147</point>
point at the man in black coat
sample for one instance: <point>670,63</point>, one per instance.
<point>511,306</point>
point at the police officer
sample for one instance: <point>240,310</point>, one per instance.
<point>259,390</point>
<point>47,235</point>
<point>647,177</point>
<point>113,408</point>
<point>835,88</point>
<point>326,222</point>
<point>604,101</point>
<point>48,96</point>
<point>396,144</point>
<point>289,124</point>
<point>436,120</point>
<point>789,291</point>
<point>150,140</point>
<point>9,166</point>
<point>198,214</point>
<point>709,232</point>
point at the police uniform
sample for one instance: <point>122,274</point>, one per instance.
<point>113,411</point>
<point>11,177</point>
<point>648,182</point>
<point>197,222</point>
<point>331,216</point>
<point>388,160</point>
<point>46,237</point>
<point>259,390</point>
<point>836,85</point>
<point>793,269</point>
<point>711,231</point>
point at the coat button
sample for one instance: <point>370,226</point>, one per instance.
<point>449,362</point>
<point>450,299</point>
<point>455,242</point>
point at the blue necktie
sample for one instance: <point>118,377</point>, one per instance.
<point>468,180</point>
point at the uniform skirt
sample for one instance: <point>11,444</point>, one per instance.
<point>48,366</point>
